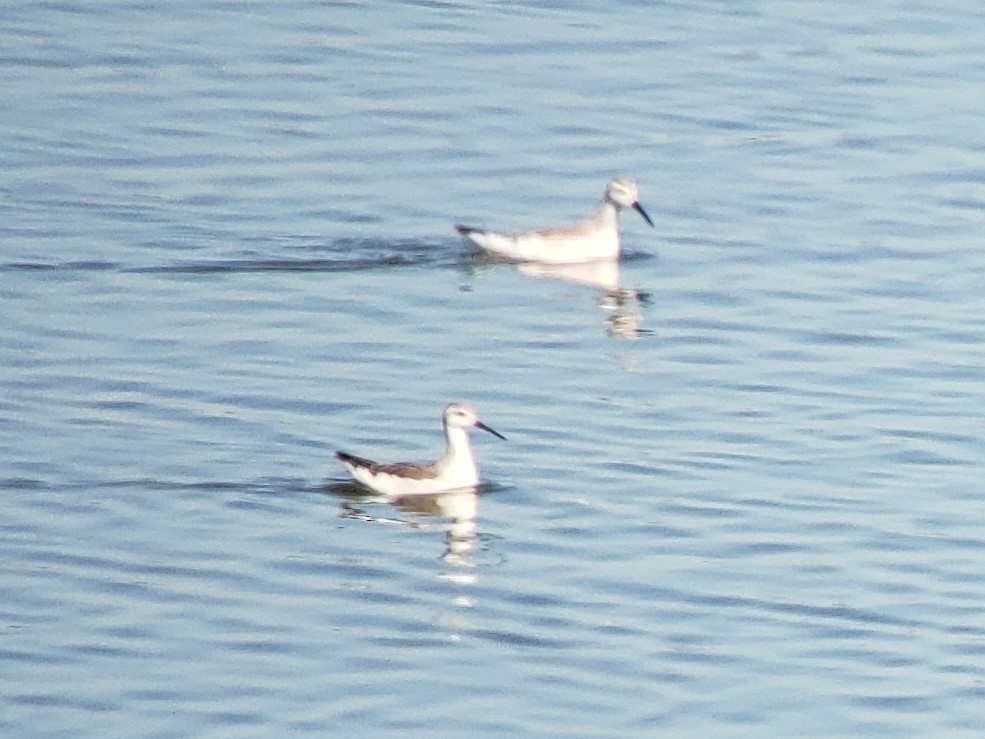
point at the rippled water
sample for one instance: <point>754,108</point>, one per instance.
<point>739,496</point>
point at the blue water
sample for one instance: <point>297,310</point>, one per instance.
<point>739,497</point>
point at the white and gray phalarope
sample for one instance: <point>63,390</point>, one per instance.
<point>455,470</point>
<point>592,239</point>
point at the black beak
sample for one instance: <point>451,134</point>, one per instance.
<point>494,432</point>
<point>639,209</point>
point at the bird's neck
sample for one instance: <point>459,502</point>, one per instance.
<point>459,447</point>
<point>607,212</point>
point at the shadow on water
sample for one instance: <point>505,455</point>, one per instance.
<point>454,512</point>
<point>623,307</point>
<point>341,255</point>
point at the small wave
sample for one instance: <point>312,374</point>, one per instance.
<point>342,255</point>
<point>74,266</point>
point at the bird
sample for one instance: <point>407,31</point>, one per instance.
<point>455,470</point>
<point>594,238</point>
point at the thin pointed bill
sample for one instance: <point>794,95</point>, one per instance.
<point>639,209</point>
<point>494,432</point>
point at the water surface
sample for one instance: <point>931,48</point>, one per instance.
<point>739,497</point>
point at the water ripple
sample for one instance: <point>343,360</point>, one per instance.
<point>741,494</point>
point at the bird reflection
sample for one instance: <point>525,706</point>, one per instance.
<point>621,305</point>
<point>458,507</point>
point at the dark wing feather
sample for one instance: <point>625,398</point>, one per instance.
<point>400,469</point>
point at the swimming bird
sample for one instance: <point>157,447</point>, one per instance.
<point>596,237</point>
<point>455,470</point>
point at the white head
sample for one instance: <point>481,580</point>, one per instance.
<point>622,192</point>
<point>463,416</point>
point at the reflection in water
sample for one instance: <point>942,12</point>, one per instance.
<point>459,507</point>
<point>602,275</point>
<point>624,315</point>
<point>621,305</point>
